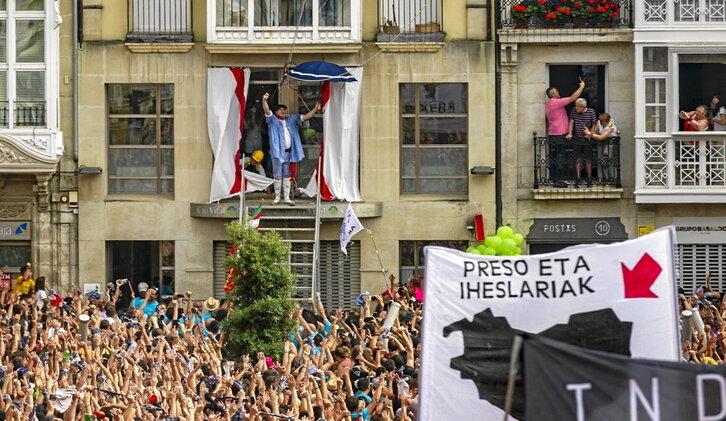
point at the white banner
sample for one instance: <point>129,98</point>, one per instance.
<point>350,227</point>
<point>617,297</point>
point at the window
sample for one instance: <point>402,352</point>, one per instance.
<point>434,138</point>
<point>22,63</point>
<point>300,98</point>
<point>151,262</point>
<point>141,138</point>
<point>566,77</point>
<point>700,78</point>
<point>412,255</point>
<point>291,13</point>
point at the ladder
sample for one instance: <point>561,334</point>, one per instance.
<point>299,227</point>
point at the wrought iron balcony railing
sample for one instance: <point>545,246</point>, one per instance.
<point>535,14</point>
<point>577,162</point>
<point>159,21</point>
<point>30,113</point>
<point>4,114</point>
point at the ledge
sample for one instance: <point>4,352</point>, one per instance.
<point>410,47</point>
<point>260,48</point>
<point>165,47</point>
<point>582,193</point>
<point>565,35</point>
<point>680,196</point>
<point>303,208</point>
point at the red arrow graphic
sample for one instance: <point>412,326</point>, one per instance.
<point>638,280</point>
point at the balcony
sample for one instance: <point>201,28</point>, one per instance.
<point>410,21</point>
<point>23,114</point>
<point>159,21</point>
<point>687,167</point>
<point>556,162</point>
<point>681,12</point>
<point>284,22</point>
<point>564,14</point>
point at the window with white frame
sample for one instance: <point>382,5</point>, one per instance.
<point>23,28</point>
<point>655,78</point>
<point>290,13</point>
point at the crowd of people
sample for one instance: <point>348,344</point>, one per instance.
<point>131,354</point>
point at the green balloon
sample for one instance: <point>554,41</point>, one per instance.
<point>488,241</point>
<point>518,238</point>
<point>489,252</point>
<point>517,251</point>
<point>505,231</point>
<point>508,244</point>
<point>507,253</point>
<point>472,250</point>
<point>495,242</point>
<point>481,248</point>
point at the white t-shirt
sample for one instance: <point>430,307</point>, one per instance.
<point>40,295</point>
<point>720,127</point>
<point>601,129</point>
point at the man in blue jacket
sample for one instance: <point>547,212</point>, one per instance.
<point>285,144</point>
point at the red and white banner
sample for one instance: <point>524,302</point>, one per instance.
<point>618,298</point>
<point>341,121</point>
<point>226,98</point>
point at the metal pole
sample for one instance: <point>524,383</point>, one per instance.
<point>513,368</point>
<point>380,263</point>
<point>316,251</point>
<point>242,213</point>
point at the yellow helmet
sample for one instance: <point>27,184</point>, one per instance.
<point>258,156</point>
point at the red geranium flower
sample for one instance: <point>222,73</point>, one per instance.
<point>567,11</point>
<point>577,5</point>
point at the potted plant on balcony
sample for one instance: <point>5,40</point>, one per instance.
<point>603,13</point>
<point>428,27</point>
<point>579,13</point>
<point>390,27</point>
<point>557,17</point>
<point>521,14</point>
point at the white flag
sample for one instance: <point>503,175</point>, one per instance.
<point>351,226</point>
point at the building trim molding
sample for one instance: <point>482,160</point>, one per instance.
<point>410,47</point>
<point>283,48</point>
<point>585,193</point>
<point>163,47</point>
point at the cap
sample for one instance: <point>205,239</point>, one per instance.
<point>258,156</point>
<point>277,107</point>
<point>143,286</point>
<point>211,304</point>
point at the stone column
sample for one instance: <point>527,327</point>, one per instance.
<point>509,135</point>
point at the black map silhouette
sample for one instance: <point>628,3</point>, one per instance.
<point>488,347</point>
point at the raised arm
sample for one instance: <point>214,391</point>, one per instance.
<point>265,105</point>
<point>577,93</point>
<point>312,112</point>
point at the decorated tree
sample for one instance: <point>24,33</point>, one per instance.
<point>260,286</point>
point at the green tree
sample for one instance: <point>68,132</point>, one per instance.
<point>260,305</point>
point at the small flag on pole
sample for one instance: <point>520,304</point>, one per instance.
<point>254,221</point>
<point>350,227</point>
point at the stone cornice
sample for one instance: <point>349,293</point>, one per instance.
<point>261,48</point>
<point>17,156</point>
<point>161,47</point>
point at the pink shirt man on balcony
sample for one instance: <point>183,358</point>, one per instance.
<point>557,119</point>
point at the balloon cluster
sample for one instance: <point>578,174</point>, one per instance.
<point>505,243</point>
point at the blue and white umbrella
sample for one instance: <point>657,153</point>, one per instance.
<point>320,71</point>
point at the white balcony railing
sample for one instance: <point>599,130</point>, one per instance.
<point>686,167</point>
<point>679,12</point>
<point>282,21</point>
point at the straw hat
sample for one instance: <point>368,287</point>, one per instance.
<point>211,304</point>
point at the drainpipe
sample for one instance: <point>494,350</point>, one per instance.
<point>493,19</point>
<point>77,19</point>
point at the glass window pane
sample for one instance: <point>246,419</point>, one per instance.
<point>167,131</point>
<point>3,85</point>
<point>443,98</point>
<point>655,59</point>
<point>270,75</point>
<point>3,40</point>
<point>231,13</point>
<point>14,256</point>
<point>408,162</point>
<point>167,161</point>
<point>335,12</point>
<point>408,130</point>
<point>29,41</point>
<point>650,91</point>
<point>139,162</point>
<point>283,13</point>
<point>443,185</point>
<point>408,101</point>
<point>655,91</point>
<point>132,186</point>
<point>30,87</point>
<point>167,98</point>
<point>29,5</point>
<point>3,5</point>
<point>443,161</point>
<point>408,185</point>
<point>407,252</point>
<point>132,99</point>
<point>655,118</point>
<point>443,131</point>
<point>132,131</point>
<point>167,186</point>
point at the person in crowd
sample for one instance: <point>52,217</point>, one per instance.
<point>285,145</point>
<point>557,129</point>
<point>582,118</point>
<point>415,285</point>
<point>24,284</point>
<point>253,163</point>
<point>605,128</point>
<point>696,120</point>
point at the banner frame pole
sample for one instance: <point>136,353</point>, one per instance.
<point>242,187</point>
<point>512,378</point>
<point>380,263</point>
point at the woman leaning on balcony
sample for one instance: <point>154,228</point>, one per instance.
<point>719,120</point>
<point>695,121</point>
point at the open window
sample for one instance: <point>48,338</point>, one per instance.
<point>702,82</point>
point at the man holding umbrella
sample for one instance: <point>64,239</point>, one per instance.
<point>285,144</point>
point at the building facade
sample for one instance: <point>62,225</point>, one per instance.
<point>37,171</point>
<point>562,191</point>
<point>426,118</point>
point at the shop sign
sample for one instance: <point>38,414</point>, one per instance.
<point>6,281</point>
<point>568,230</point>
<point>700,230</point>
<point>14,230</point>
